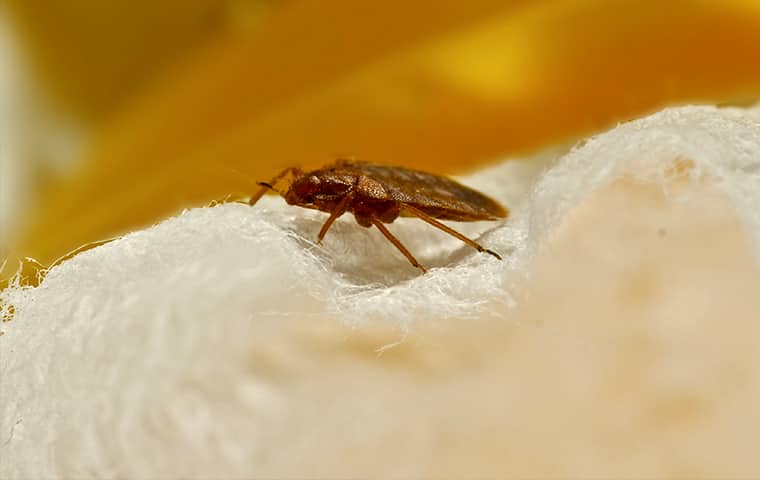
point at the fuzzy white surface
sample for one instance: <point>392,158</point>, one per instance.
<point>223,343</point>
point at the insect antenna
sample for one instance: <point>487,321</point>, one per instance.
<point>264,187</point>
<point>270,185</point>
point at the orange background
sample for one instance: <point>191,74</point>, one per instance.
<point>184,102</point>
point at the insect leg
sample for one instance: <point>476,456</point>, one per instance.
<point>397,243</point>
<point>432,221</point>
<point>340,209</point>
<point>270,185</point>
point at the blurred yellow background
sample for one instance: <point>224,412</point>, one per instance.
<point>176,103</point>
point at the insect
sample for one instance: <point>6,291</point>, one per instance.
<point>378,194</point>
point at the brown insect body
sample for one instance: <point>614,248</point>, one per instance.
<point>378,194</point>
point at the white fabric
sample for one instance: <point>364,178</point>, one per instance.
<point>223,343</point>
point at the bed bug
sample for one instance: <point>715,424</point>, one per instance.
<point>379,194</point>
